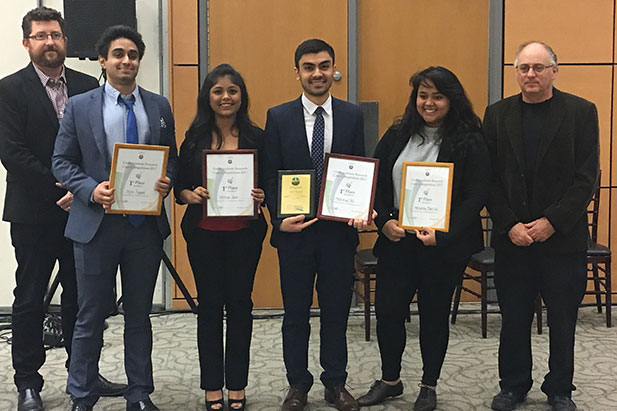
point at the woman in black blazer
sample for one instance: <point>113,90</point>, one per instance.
<point>438,125</point>
<point>224,253</point>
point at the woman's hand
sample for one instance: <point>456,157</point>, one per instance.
<point>393,231</point>
<point>195,196</point>
<point>259,197</point>
<point>427,236</point>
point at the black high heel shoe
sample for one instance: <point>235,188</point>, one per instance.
<point>231,402</point>
<point>210,404</point>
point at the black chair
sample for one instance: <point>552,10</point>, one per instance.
<point>365,264</point>
<point>483,262</point>
<point>598,261</point>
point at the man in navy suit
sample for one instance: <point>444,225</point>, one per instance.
<point>298,134</point>
<point>118,111</point>
<point>32,104</point>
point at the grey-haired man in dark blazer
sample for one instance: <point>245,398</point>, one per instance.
<point>544,149</point>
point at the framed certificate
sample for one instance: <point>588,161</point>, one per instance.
<point>134,171</point>
<point>348,187</point>
<point>426,191</point>
<point>229,176</point>
<point>295,194</point>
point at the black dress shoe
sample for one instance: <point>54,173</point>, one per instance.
<point>561,403</point>
<point>29,400</point>
<point>507,400</point>
<point>143,405</point>
<point>295,400</point>
<point>341,398</point>
<point>80,406</point>
<point>106,388</point>
<point>379,392</point>
<point>426,401</point>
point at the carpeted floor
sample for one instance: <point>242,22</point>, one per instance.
<point>469,377</point>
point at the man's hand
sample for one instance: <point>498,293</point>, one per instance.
<point>295,224</point>
<point>519,235</point>
<point>103,195</point>
<point>427,236</point>
<point>361,224</point>
<point>393,231</point>
<point>162,185</point>
<point>540,230</point>
<point>195,196</point>
<point>66,201</point>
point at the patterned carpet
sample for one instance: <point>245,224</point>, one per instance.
<point>469,377</point>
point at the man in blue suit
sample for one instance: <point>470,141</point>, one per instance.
<point>115,112</point>
<point>298,134</point>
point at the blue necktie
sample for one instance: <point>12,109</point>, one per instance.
<point>132,138</point>
<point>317,145</point>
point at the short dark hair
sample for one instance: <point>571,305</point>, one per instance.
<point>40,14</point>
<point>312,46</point>
<point>118,32</point>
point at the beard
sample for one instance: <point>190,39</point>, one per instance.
<point>42,59</point>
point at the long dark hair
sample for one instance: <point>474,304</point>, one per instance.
<point>204,124</point>
<point>460,118</point>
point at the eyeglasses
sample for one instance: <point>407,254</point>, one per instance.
<point>537,68</point>
<point>42,36</point>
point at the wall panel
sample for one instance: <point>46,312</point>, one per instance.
<point>578,31</point>
<point>394,45</point>
<point>262,47</point>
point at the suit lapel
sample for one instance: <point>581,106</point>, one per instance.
<point>154,117</point>
<point>41,95</point>
<point>514,131</point>
<point>335,127</point>
<point>96,121</point>
<point>297,123</point>
<point>554,117</point>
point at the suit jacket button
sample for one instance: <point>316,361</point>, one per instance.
<point>524,203</point>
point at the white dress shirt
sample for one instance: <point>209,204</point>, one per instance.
<point>309,121</point>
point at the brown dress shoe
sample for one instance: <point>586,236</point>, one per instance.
<point>294,401</point>
<point>341,398</point>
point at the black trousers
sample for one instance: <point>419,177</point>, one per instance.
<point>37,247</point>
<point>329,256</point>
<point>224,264</point>
<point>404,269</point>
<point>520,274</point>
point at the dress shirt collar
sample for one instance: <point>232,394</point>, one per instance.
<point>45,78</point>
<point>113,94</point>
<point>311,107</point>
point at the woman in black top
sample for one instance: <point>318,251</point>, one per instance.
<point>438,125</point>
<point>224,253</point>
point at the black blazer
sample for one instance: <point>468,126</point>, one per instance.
<point>190,176</point>
<point>287,149</point>
<point>469,194</point>
<point>28,128</point>
<point>565,176</point>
